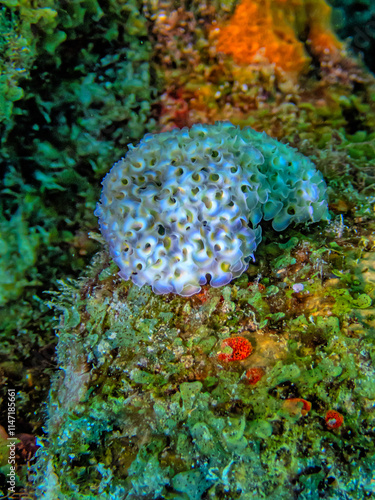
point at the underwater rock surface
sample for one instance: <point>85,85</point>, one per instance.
<point>153,401</point>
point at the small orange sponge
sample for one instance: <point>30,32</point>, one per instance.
<point>253,375</point>
<point>296,405</point>
<point>334,419</point>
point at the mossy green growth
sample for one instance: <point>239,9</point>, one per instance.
<point>18,253</point>
<point>148,410</point>
<point>75,83</point>
<point>67,106</point>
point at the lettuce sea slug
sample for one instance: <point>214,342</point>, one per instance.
<point>187,203</point>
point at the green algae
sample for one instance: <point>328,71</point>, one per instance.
<point>184,424</point>
<point>75,85</point>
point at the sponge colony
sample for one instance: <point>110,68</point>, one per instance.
<point>178,206</point>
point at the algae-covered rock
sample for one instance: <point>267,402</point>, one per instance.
<point>75,89</point>
<point>144,406</point>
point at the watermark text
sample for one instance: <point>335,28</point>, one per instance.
<point>11,475</point>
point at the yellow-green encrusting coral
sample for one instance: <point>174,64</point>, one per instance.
<point>177,207</point>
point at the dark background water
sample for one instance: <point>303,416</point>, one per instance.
<point>356,20</point>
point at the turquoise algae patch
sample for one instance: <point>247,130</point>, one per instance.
<point>187,203</point>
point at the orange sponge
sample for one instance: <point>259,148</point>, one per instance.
<point>277,30</point>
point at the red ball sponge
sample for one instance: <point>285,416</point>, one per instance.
<point>241,349</point>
